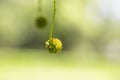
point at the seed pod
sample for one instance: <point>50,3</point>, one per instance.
<point>54,45</point>
<point>41,22</point>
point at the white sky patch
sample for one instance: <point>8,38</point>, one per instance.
<point>116,8</point>
<point>109,8</point>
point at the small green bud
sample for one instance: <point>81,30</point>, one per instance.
<point>41,22</point>
<point>54,45</point>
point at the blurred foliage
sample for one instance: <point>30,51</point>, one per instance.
<point>82,25</point>
<point>89,30</point>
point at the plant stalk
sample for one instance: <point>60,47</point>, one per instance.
<point>53,20</point>
<point>39,7</point>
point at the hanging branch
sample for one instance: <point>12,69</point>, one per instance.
<point>53,20</point>
<point>54,45</point>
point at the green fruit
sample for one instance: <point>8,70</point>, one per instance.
<point>54,45</point>
<point>41,22</point>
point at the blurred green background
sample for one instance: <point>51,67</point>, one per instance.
<point>89,30</point>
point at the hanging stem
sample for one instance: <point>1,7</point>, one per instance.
<point>39,7</point>
<point>53,20</point>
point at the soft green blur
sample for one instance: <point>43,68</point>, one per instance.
<point>89,30</point>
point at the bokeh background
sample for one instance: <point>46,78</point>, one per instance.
<point>89,30</point>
